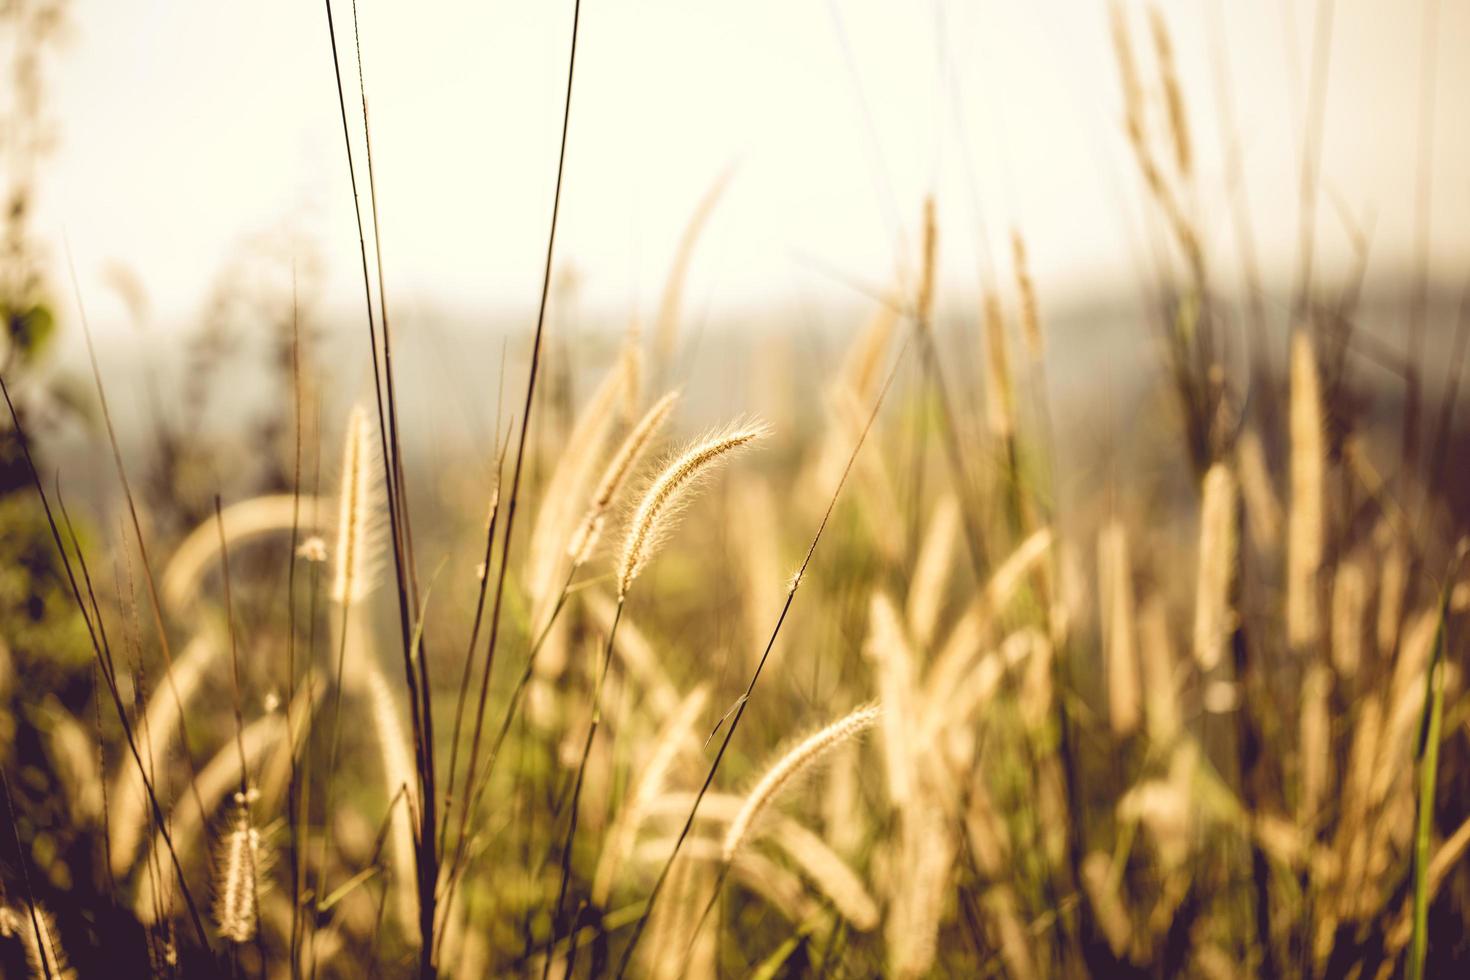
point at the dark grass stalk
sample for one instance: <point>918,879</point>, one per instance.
<point>744,702</point>
<point>96,700</point>
<point>25,874</point>
<point>104,657</point>
<point>469,658</point>
<point>137,526</point>
<point>593,723</point>
<point>428,862</point>
<point>133,639</point>
<point>515,482</point>
<point>390,385</point>
<point>459,864</point>
<point>387,422</point>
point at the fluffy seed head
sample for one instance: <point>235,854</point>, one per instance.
<point>238,876</point>
<point>36,929</point>
<point>615,474</point>
<point>791,765</point>
<point>357,513</point>
<point>671,490</point>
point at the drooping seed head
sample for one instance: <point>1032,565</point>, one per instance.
<point>357,513</point>
<point>671,490</point>
<point>791,765</point>
<point>619,467</point>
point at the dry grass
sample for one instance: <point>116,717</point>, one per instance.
<point>1129,719</point>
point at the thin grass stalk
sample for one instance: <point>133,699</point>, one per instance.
<point>659,508</point>
<point>406,577</point>
<point>566,853</point>
<point>515,482</point>
<point>103,655</point>
<point>155,605</point>
<point>458,864</point>
<point>25,871</point>
<point>469,659</point>
<point>579,549</point>
<point>251,851</point>
<point>1426,758</point>
<point>642,922</point>
<point>351,583</point>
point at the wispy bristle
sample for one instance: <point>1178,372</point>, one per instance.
<point>671,490</point>
<point>357,513</point>
<point>36,929</point>
<point>615,474</point>
<point>238,877</point>
<point>792,764</point>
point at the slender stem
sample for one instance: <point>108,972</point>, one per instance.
<point>458,865</point>
<point>796,581</point>
<point>566,851</point>
<point>515,481</point>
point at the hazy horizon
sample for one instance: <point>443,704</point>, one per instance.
<point>187,137</point>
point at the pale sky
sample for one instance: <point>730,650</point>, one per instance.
<point>188,128</point>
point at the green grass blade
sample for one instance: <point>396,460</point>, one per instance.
<point>1427,757</point>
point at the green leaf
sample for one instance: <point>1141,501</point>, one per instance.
<point>1427,758</point>
<point>773,963</point>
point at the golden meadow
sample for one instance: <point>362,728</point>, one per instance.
<point>910,684</point>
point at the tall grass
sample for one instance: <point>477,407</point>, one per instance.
<point>1203,715</point>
